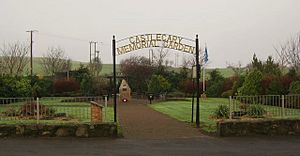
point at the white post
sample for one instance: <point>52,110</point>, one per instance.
<point>282,105</point>
<point>105,112</point>
<point>37,110</point>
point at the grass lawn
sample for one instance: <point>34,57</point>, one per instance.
<point>80,112</point>
<point>181,110</point>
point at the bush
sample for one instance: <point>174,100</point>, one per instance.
<point>30,109</point>
<point>61,86</point>
<point>237,84</point>
<point>256,111</point>
<point>294,88</point>
<point>252,84</point>
<point>276,88</point>
<point>11,112</point>
<point>222,112</point>
<point>266,82</point>
<point>227,93</point>
<point>229,82</point>
<point>158,84</point>
<point>186,86</point>
<point>11,86</point>
<point>215,89</point>
<point>176,94</point>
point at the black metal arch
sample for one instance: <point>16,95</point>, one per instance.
<point>197,74</point>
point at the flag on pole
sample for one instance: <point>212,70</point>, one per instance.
<point>205,55</point>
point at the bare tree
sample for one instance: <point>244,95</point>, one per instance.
<point>159,58</point>
<point>281,57</point>
<point>14,60</point>
<point>55,61</point>
<point>96,66</point>
<point>289,53</point>
<point>188,61</point>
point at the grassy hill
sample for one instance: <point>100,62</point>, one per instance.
<point>37,67</point>
<point>107,68</point>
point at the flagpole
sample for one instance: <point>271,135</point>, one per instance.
<point>205,59</point>
<point>204,78</point>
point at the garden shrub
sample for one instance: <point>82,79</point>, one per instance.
<point>215,89</point>
<point>11,112</point>
<point>256,111</point>
<point>216,82</point>
<point>294,88</point>
<point>222,111</point>
<point>227,93</point>
<point>30,109</point>
<point>61,86</point>
<point>252,84</point>
<point>11,86</point>
<point>276,88</point>
<point>186,86</point>
<point>176,94</point>
<point>158,84</point>
<point>229,82</point>
<point>286,81</point>
<point>237,84</point>
<point>266,82</point>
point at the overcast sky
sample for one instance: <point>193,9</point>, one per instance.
<point>232,29</point>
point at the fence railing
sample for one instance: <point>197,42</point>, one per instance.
<point>271,106</point>
<point>51,110</point>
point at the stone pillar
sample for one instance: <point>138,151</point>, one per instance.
<point>96,112</point>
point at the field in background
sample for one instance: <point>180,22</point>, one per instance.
<point>107,68</point>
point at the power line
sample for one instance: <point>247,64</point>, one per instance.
<point>63,37</point>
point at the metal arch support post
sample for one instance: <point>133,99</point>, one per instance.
<point>114,78</point>
<point>197,83</point>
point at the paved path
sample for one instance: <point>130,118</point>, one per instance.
<point>138,121</point>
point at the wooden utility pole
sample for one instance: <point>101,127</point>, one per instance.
<point>31,57</point>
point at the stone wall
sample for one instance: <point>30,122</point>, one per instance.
<point>258,127</point>
<point>80,130</point>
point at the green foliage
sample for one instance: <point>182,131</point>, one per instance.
<point>174,78</point>
<point>215,86</point>
<point>215,89</point>
<point>252,84</point>
<point>294,87</point>
<point>176,94</point>
<point>42,87</point>
<point>215,76</point>
<point>158,84</point>
<point>227,93</point>
<point>256,63</point>
<point>256,111</point>
<point>276,88</point>
<point>11,86</point>
<point>271,68</point>
<point>238,84</point>
<point>267,68</point>
<point>222,111</point>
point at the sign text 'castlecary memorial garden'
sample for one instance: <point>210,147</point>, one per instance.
<point>156,40</point>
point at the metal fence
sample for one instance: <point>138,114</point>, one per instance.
<point>270,106</point>
<point>50,110</point>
